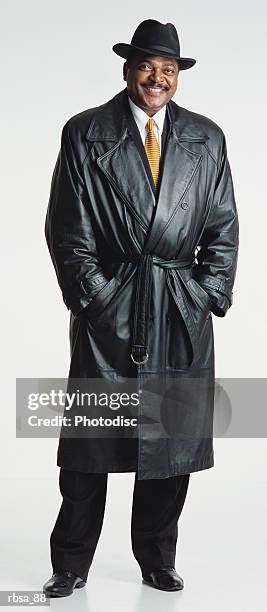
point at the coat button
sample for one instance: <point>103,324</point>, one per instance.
<point>184,205</point>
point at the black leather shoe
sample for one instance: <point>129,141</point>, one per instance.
<point>62,584</point>
<point>164,578</point>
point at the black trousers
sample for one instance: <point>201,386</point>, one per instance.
<point>156,507</point>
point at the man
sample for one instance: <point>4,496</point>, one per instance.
<point>142,229</point>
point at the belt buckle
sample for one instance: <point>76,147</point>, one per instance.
<point>140,362</point>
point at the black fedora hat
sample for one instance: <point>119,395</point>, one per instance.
<point>155,38</point>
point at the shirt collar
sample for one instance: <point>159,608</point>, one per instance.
<point>141,116</point>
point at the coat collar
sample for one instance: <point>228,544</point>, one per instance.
<point>182,158</point>
<point>109,121</point>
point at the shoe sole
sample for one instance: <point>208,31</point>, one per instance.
<point>50,594</point>
<point>150,582</point>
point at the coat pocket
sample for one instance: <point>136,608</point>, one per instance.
<point>199,294</point>
<point>101,300</point>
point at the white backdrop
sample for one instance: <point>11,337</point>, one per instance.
<point>56,61</point>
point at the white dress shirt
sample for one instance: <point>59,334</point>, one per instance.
<point>141,119</point>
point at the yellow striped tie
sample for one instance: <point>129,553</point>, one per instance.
<point>152,150</point>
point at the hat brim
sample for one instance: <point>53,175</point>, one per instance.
<point>124,50</point>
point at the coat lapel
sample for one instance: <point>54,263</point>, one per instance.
<point>181,161</point>
<point>126,167</point>
<point>135,134</point>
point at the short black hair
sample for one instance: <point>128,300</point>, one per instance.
<point>133,55</point>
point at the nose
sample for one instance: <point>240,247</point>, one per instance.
<point>157,75</point>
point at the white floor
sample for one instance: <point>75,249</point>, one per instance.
<point>221,550</point>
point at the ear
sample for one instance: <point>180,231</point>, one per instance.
<point>125,67</point>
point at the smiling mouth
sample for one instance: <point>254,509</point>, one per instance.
<point>155,90</point>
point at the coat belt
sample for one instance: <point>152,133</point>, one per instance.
<point>139,353</point>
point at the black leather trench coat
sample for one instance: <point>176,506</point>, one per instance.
<point>141,272</point>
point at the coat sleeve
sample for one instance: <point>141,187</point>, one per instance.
<point>69,232</point>
<point>217,257</point>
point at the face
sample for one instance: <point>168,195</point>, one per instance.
<point>151,80</point>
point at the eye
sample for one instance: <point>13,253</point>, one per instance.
<point>144,65</point>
